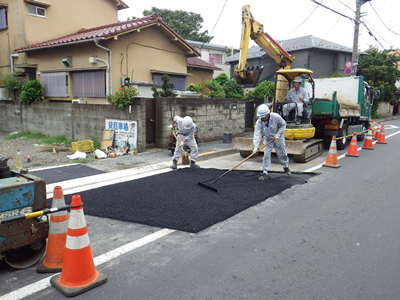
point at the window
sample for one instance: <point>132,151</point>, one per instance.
<point>343,58</point>
<point>55,84</point>
<point>36,11</point>
<point>3,18</point>
<point>89,84</point>
<point>180,82</point>
<point>215,58</point>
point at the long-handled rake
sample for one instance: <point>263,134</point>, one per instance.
<point>210,182</point>
<point>185,155</point>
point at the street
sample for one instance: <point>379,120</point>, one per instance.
<point>335,237</point>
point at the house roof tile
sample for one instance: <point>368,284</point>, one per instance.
<point>199,63</point>
<point>107,32</point>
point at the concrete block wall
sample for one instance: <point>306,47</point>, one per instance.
<point>75,121</point>
<point>212,116</point>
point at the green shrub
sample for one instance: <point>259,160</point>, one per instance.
<point>262,89</point>
<point>31,91</point>
<point>123,97</point>
<point>166,88</point>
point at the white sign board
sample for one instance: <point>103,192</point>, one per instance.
<point>124,130</point>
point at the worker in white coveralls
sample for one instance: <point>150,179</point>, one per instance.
<point>298,96</point>
<point>272,127</point>
<point>186,130</point>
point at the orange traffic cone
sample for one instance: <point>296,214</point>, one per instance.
<point>372,127</point>
<point>378,130</point>
<point>353,146</point>
<point>57,236</point>
<point>332,160</point>
<point>78,274</point>
<point>368,140</point>
<point>382,138</point>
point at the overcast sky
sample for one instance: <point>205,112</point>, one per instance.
<point>286,19</point>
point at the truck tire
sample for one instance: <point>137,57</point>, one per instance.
<point>343,132</point>
<point>361,137</point>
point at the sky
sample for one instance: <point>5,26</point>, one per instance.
<point>289,19</point>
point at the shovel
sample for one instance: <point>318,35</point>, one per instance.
<point>185,156</point>
<point>210,182</point>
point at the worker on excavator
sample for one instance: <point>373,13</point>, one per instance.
<point>186,130</point>
<point>272,126</point>
<point>297,96</point>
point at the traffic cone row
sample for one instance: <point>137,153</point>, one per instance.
<point>69,250</point>
<point>332,160</point>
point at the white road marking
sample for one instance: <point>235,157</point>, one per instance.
<point>343,155</point>
<point>101,259</point>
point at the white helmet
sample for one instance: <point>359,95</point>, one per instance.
<point>187,122</point>
<point>262,110</point>
<point>298,79</point>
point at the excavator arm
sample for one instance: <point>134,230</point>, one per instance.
<point>255,30</point>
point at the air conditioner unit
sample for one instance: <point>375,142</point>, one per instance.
<point>79,101</point>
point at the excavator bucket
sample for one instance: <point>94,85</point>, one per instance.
<point>252,76</point>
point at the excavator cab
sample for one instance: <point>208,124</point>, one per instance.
<point>283,82</point>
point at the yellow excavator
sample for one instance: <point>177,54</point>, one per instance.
<point>299,138</point>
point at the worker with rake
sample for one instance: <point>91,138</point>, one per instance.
<point>185,136</point>
<point>272,126</point>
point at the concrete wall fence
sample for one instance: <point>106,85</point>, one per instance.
<point>80,122</point>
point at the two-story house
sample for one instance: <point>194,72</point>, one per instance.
<point>87,53</point>
<point>321,56</point>
<point>215,55</point>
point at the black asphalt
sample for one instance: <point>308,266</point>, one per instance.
<point>65,173</point>
<point>175,200</point>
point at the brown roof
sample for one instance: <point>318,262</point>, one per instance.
<point>110,31</point>
<point>199,63</point>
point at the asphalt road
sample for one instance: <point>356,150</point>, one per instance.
<point>336,237</point>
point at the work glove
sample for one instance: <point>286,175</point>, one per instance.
<point>277,136</point>
<point>255,150</point>
<point>170,127</point>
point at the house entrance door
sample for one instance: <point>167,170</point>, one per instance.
<point>150,122</point>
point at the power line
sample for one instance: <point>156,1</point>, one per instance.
<point>382,21</point>
<point>223,7</point>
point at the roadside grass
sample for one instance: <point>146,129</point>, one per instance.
<point>58,140</point>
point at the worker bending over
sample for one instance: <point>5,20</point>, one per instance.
<point>272,127</point>
<point>185,135</point>
<point>298,96</point>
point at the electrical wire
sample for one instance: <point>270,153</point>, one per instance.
<point>302,22</point>
<point>382,20</point>
<point>223,7</point>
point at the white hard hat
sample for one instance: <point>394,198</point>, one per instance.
<point>262,110</point>
<point>298,79</point>
<point>187,122</point>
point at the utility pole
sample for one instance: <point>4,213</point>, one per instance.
<point>354,57</point>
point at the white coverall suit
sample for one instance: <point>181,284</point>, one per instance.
<point>187,134</point>
<point>276,124</point>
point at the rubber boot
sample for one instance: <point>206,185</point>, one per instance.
<point>193,164</point>
<point>174,165</point>
<point>287,171</point>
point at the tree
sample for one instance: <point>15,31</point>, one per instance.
<point>231,87</point>
<point>186,24</point>
<point>166,88</point>
<point>380,69</point>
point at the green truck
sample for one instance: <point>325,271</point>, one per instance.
<point>341,106</point>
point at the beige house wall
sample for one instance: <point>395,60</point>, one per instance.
<point>62,18</point>
<point>199,75</point>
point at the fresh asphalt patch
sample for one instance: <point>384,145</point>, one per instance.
<point>65,173</point>
<point>175,200</point>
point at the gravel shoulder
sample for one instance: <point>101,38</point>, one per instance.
<point>41,155</point>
